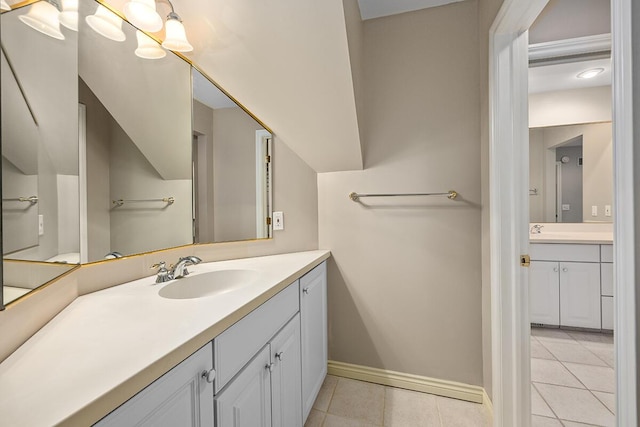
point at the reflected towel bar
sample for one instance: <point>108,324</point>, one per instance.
<point>120,202</point>
<point>451,194</point>
<point>533,191</point>
<point>31,199</point>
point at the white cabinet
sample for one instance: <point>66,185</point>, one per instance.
<point>313,313</point>
<point>564,285</point>
<point>286,376</point>
<point>246,402</point>
<point>544,293</point>
<point>181,397</point>
<point>606,286</point>
<point>267,392</point>
<point>580,294</point>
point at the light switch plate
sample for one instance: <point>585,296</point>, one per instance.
<point>594,210</point>
<point>607,210</point>
<point>278,221</point>
<point>40,225</point>
<point>566,207</point>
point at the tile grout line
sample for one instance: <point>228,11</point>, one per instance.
<point>545,402</point>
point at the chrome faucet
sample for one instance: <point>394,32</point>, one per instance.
<point>180,268</point>
<point>536,229</point>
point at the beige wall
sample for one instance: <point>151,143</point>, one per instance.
<point>586,105</point>
<point>405,277</point>
<point>147,226</point>
<point>19,219</point>
<point>536,175</point>
<point>234,174</point>
<point>203,131</point>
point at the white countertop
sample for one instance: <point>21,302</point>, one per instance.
<point>106,346</point>
<point>600,238</point>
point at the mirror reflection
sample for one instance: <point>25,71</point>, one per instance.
<point>570,171</point>
<point>136,133</point>
<point>231,166</point>
<point>113,146</point>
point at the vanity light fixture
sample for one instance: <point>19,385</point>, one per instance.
<point>107,24</point>
<point>176,38</point>
<point>148,48</point>
<point>143,14</point>
<point>43,16</point>
<point>4,5</point>
<point>69,15</point>
<point>591,73</point>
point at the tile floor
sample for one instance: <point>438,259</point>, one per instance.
<point>344,402</point>
<point>572,378</point>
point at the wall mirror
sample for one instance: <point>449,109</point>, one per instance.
<point>570,171</point>
<point>108,153</point>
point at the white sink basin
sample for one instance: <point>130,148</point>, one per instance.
<point>208,284</point>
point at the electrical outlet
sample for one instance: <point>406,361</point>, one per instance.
<point>594,210</point>
<point>607,210</point>
<point>40,225</point>
<point>278,221</point>
<point>566,207</point>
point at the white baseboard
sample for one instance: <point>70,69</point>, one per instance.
<point>470,393</point>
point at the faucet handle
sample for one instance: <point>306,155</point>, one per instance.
<point>163,273</point>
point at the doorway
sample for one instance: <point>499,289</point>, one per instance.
<point>509,231</point>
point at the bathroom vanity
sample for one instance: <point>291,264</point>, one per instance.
<point>254,350</point>
<point>571,279</point>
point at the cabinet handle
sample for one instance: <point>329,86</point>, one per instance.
<point>269,367</point>
<point>305,290</point>
<point>208,375</point>
<point>555,269</point>
<point>279,355</point>
<point>565,269</point>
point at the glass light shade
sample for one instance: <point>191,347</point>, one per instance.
<point>69,14</point>
<point>148,48</point>
<point>589,74</point>
<point>107,24</point>
<point>176,38</point>
<point>43,17</point>
<point>142,14</point>
<point>4,5</point>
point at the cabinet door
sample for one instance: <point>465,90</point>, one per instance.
<point>313,315</point>
<point>544,293</point>
<point>286,376</point>
<point>181,397</point>
<point>580,294</point>
<point>246,401</point>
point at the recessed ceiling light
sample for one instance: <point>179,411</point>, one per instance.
<point>589,74</point>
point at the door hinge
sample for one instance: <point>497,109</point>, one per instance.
<point>267,159</point>
<point>268,220</point>
<point>525,260</point>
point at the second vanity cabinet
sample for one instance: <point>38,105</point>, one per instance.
<point>260,372</point>
<point>565,285</point>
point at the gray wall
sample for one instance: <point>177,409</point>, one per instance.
<point>405,277</point>
<point>571,183</point>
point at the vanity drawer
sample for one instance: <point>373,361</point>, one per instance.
<point>564,252</point>
<point>233,348</point>
<point>606,253</point>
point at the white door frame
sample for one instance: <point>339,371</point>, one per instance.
<point>508,225</point>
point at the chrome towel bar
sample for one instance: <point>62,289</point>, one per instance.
<point>120,202</point>
<point>31,199</point>
<point>451,194</point>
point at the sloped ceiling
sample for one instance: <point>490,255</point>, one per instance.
<point>287,61</point>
